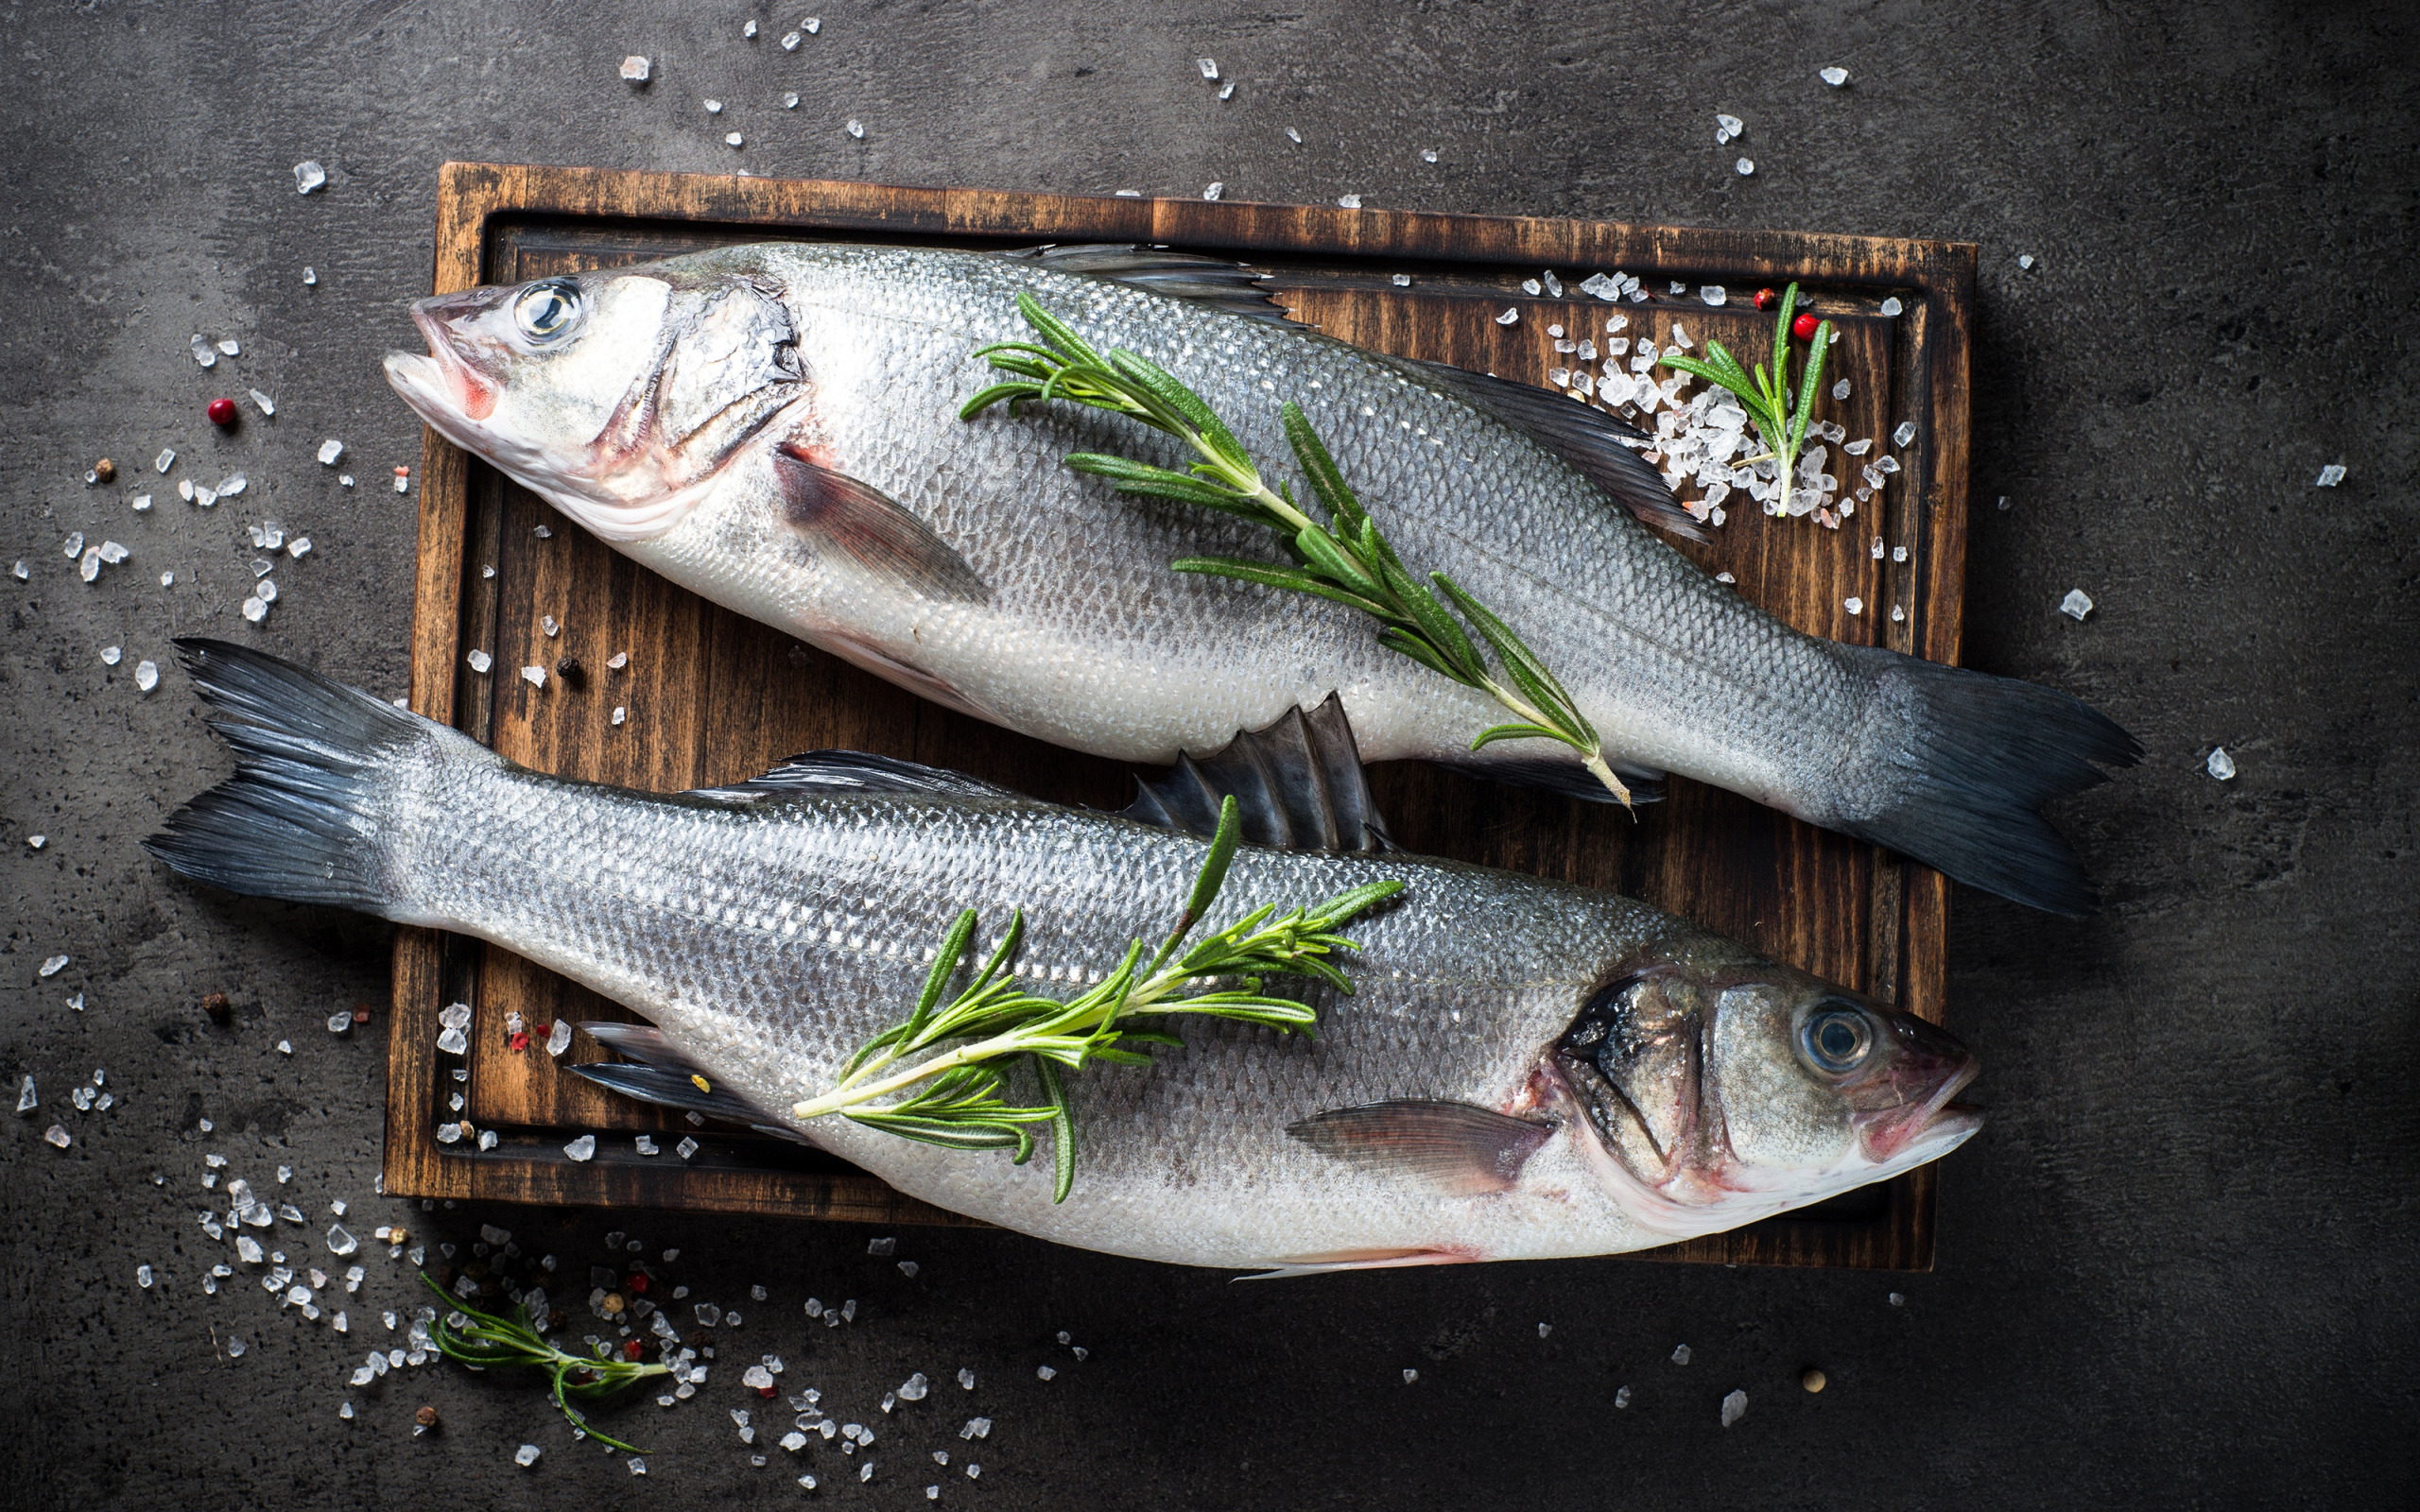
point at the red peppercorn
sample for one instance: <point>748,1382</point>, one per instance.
<point>1765,299</point>
<point>632,1350</point>
<point>222,412</point>
<point>1804,327</point>
<point>767,1392</point>
<point>519,1041</point>
<point>639,1282</point>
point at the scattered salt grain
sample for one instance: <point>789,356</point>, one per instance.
<point>204,352</point>
<point>1045,1372</point>
<point>2331,474</point>
<point>1622,1397</point>
<point>1511,314</point>
<point>480,660</point>
<point>309,175</point>
<point>2220,765</point>
<point>1209,67</point>
<point>1409,1375</point>
<point>1855,606</point>
<point>1729,125</point>
<point>234,1348</point>
<point>1906,433</point>
<point>255,610</point>
<point>1714,294</point>
<point>1213,190</point>
<point>643,1143</point>
<point>733,139</point>
<point>713,107</point>
<point>1898,1298</point>
<point>581,1148</point>
<point>1227,90</point>
<point>965,1377</point>
<point>310,277</point>
<point>1746,166</point>
<point>1348,201</point>
<point>2076,605</point>
<point>913,1388</point>
<point>21,572</point>
<point>53,965</point>
<point>1734,1407</point>
<point>638,1466</point>
<point>620,713</point>
<point>56,1135</point>
<point>2025,262</point>
<point>329,451</point>
<point>857,128</point>
<point>559,1039</point>
<point>535,676</point>
<point>977,1428</point>
<point>1891,306</point>
<point>1835,76</point>
<point>687,1147</point>
<point>1679,1354</point>
<point>1545,1329</point>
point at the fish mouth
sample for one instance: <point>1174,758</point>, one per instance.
<point>1914,1132</point>
<point>442,381</point>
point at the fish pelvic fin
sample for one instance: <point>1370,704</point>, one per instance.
<point>1598,444</point>
<point>1968,759</point>
<point>315,763</point>
<point>840,517</point>
<point>1297,782</point>
<point>1459,1148</point>
<point>1322,1264</point>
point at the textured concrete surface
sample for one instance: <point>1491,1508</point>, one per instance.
<point>2176,1269</point>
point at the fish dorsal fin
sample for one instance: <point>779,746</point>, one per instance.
<point>851,771</point>
<point>661,1072</point>
<point>1229,287</point>
<point>1462,1149</point>
<point>1600,446</point>
<point>838,516</point>
<point>1298,786</point>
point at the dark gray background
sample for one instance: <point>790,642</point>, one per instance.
<point>2176,1267</point>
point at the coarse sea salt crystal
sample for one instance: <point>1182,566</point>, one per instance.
<point>1511,314</point>
<point>299,547</point>
<point>146,676</point>
<point>56,1135</point>
<point>53,965</point>
<point>1227,90</point>
<point>479,661</point>
<point>713,107</point>
<point>1891,306</point>
<point>329,451</point>
<point>856,128</point>
<point>581,1148</point>
<point>204,352</point>
<point>1679,1354</point>
<point>1213,190</point>
<point>1834,75</point>
<point>1714,294</point>
<point>535,676</point>
<point>309,175</point>
<point>2076,605</point>
<point>1745,166</point>
<point>620,713</point>
<point>1906,433</point>
<point>790,101</point>
<point>687,1148</point>
<point>1734,1407</point>
<point>559,1039</point>
<point>733,139</point>
<point>1855,606</point>
<point>1731,125</point>
<point>2220,765</point>
<point>1209,67</point>
<point>2331,474</point>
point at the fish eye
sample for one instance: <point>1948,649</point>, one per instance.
<point>545,311</point>
<point>1838,1038</point>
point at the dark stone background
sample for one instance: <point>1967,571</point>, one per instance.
<point>2175,1270</point>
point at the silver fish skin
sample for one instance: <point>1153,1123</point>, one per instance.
<point>1557,1072</point>
<point>776,428</point>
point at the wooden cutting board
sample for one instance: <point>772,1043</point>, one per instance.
<point>711,697</point>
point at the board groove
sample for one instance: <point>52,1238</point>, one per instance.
<point>1816,899</point>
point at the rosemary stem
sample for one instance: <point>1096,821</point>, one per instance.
<point>1593,757</point>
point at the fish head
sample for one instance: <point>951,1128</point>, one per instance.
<point>618,395</point>
<point>1711,1094</point>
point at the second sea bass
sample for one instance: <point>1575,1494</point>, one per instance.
<point>776,428</point>
<point>1523,1069</point>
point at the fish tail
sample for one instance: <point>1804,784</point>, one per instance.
<point>1966,761</point>
<point>315,762</point>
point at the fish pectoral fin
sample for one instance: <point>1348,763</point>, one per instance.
<point>1215,281</point>
<point>1360,1259</point>
<point>1297,783</point>
<point>662,1073</point>
<point>845,771</point>
<point>1462,1149</point>
<point>1590,440</point>
<point>838,516</point>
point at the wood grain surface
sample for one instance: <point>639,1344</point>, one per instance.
<point>711,697</point>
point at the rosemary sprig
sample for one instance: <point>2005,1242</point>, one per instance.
<point>483,1340</point>
<point>956,1098</point>
<point>1346,560</point>
<point>1765,393</point>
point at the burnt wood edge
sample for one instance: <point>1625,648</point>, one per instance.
<point>1935,363</point>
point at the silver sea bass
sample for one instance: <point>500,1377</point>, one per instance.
<point>1525,1068</point>
<point>776,428</point>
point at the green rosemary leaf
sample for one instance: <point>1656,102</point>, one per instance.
<point>1062,1129</point>
<point>944,966</point>
<point>1809,386</point>
<point>1421,651</point>
<point>985,399</point>
<point>1319,467</point>
<point>1213,875</point>
<point>1496,732</point>
<point>1271,575</point>
<point>951,1133</point>
<point>1322,551</point>
<point>1062,337</point>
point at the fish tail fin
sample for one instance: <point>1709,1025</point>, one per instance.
<point>315,763</point>
<point>1968,760</point>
